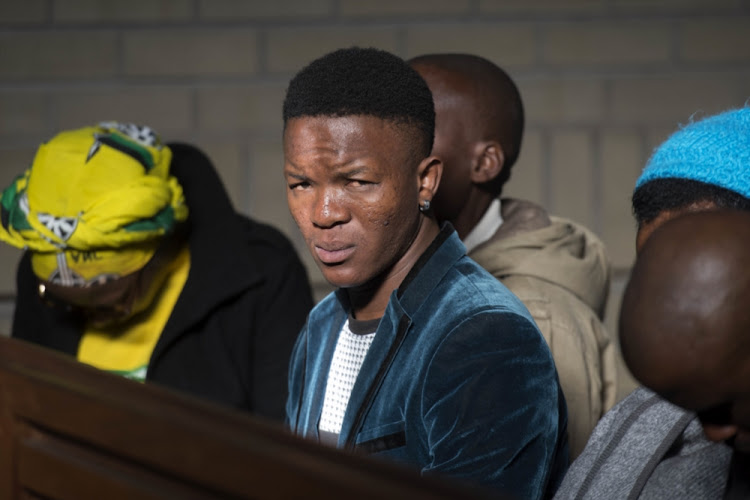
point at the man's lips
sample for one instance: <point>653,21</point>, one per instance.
<point>333,254</point>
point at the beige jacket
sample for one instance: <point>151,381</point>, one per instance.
<point>559,269</point>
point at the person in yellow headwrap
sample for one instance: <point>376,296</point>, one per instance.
<point>137,264</point>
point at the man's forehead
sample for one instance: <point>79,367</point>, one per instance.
<point>354,131</point>
<point>371,143</point>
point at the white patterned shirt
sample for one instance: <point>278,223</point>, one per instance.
<point>350,352</point>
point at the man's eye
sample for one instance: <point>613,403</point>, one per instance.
<point>298,185</point>
<point>359,182</point>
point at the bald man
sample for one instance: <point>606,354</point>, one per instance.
<point>684,333</point>
<point>683,328</point>
<point>557,267</point>
<point>685,324</point>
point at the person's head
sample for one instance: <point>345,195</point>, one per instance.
<point>93,209</point>
<point>358,131</point>
<point>478,130</point>
<point>701,166</point>
<point>685,322</point>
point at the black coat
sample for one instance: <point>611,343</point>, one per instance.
<point>231,332</point>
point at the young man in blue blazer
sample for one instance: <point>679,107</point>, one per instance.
<point>420,356</point>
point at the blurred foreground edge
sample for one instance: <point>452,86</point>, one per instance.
<point>69,431</point>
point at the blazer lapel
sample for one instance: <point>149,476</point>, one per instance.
<point>316,373</point>
<point>389,337</point>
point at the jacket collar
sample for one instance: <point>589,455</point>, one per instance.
<point>429,269</point>
<point>423,277</point>
<point>394,327</point>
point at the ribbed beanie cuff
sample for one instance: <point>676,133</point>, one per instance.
<point>714,150</point>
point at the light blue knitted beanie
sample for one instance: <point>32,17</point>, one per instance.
<point>714,150</point>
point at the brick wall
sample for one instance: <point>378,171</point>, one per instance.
<point>603,81</point>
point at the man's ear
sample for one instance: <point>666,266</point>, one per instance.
<point>429,172</point>
<point>488,161</point>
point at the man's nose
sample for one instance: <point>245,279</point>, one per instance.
<point>330,209</point>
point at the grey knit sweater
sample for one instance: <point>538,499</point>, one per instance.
<point>648,448</point>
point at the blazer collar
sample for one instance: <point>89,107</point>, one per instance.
<point>395,325</point>
<point>430,269</point>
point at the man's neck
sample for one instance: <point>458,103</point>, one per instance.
<point>369,301</point>
<point>475,207</point>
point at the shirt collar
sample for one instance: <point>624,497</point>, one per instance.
<point>486,227</point>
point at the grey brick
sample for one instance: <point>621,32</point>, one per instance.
<point>263,9</point>
<point>210,52</point>
<point>54,54</point>
<point>716,40</point>
<point>534,6</point>
<point>23,12</point>
<point>104,11</point>
<point>621,162</point>
<point>673,99</point>
<point>289,49</point>
<point>248,108</point>
<point>23,112</point>
<point>164,109</point>
<point>424,8</point>
<point>527,175</point>
<point>606,43</point>
<point>563,100</point>
<point>571,176</point>
<point>508,45</point>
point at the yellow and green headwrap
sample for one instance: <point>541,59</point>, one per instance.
<point>95,202</point>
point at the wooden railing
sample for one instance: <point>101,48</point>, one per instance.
<point>68,431</point>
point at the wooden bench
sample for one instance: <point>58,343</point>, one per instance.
<point>68,431</point>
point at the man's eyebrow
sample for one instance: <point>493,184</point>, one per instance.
<point>349,171</point>
<point>294,175</point>
<point>342,170</point>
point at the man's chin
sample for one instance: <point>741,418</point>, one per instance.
<point>344,284</point>
<point>336,276</point>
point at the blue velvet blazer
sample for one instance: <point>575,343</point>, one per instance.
<point>458,380</point>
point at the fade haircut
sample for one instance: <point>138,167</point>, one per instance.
<point>658,195</point>
<point>366,82</point>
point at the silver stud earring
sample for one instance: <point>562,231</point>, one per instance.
<point>424,207</point>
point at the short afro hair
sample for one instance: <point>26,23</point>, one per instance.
<point>658,195</point>
<point>363,81</point>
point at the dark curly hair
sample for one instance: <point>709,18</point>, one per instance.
<point>655,196</point>
<point>363,81</point>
